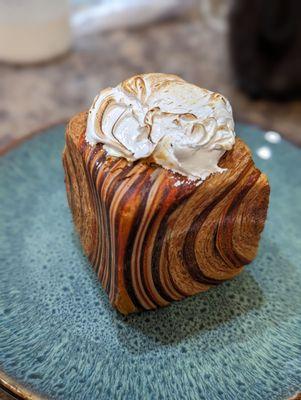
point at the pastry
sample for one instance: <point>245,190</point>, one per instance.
<point>166,200</point>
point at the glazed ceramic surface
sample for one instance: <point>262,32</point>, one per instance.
<point>60,337</point>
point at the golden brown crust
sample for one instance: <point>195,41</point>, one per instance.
<point>154,236</point>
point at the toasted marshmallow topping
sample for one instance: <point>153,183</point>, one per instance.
<point>162,117</point>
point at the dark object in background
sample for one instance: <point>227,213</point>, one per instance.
<point>265,46</point>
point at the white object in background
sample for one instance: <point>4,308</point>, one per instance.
<point>108,15</point>
<point>33,30</point>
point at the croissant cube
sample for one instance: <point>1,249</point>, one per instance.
<point>154,236</point>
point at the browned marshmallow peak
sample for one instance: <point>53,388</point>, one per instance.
<point>180,126</point>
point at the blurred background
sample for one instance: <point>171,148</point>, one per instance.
<point>56,55</point>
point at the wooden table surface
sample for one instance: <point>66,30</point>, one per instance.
<point>34,97</point>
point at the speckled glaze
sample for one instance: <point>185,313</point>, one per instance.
<point>60,337</point>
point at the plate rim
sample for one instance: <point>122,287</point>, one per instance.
<point>12,386</point>
<point>16,142</point>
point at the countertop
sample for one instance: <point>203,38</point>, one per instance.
<point>37,96</point>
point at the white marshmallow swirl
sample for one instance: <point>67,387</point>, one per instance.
<point>176,124</point>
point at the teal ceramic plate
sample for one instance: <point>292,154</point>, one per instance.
<point>60,338</point>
